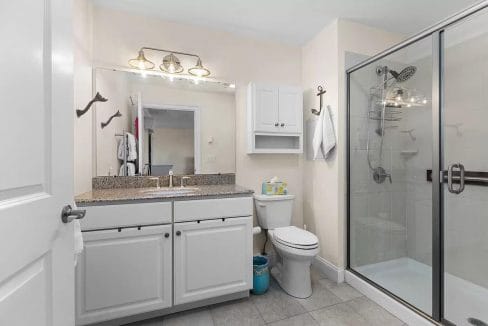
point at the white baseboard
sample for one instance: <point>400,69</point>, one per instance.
<point>332,272</point>
<point>396,308</point>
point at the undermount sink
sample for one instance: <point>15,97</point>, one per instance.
<point>170,191</point>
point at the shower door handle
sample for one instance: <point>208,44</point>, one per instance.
<point>450,185</point>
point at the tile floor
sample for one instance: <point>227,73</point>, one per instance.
<point>330,304</point>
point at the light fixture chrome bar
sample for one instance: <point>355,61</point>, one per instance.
<point>168,51</point>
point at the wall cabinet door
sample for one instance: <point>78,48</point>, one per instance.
<point>266,108</point>
<point>212,258</point>
<point>290,109</point>
<point>123,273</point>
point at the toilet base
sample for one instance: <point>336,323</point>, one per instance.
<point>293,277</point>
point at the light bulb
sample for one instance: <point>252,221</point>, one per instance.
<point>171,78</point>
<point>409,105</point>
<point>412,99</point>
<point>424,101</point>
<point>196,81</point>
<point>232,85</point>
<point>398,98</point>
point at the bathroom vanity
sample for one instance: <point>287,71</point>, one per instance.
<point>150,252</point>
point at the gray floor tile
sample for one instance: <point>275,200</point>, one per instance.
<point>315,274</point>
<point>373,313</point>
<point>339,315</point>
<point>198,317</point>
<point>343,290</point>
<point>300,320</point>
<point>240,313</point>
<point>321,297</point>
<point>276,304</point>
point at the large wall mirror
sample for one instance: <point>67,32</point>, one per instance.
<point>182,125</point>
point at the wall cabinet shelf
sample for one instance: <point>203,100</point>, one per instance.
<point>274,119</point>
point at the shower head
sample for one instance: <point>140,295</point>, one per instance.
<point>403,75</point>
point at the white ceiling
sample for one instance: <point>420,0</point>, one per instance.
<point>294,21</point>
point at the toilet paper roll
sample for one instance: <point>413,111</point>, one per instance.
<point>256,230</point>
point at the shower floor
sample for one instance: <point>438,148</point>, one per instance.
<point>412,281</point>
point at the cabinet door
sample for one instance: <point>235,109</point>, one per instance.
<point>212,258</point>
<point>290,109</point>
<point>265,108</point>
<point>123,273</point>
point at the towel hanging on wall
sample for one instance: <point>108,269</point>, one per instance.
<point>324,139</point>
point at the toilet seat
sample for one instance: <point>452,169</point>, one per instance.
<point>297,238</point>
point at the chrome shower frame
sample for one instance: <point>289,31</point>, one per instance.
<point>434,32</point>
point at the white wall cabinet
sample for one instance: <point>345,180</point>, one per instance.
<point>122,273</point>
<point>212,258</point>
<point>275,119</point>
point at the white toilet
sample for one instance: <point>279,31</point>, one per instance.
<point>295,247</point>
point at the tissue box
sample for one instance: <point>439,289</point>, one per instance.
<point>274,188</point>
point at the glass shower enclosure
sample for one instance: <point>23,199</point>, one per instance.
<point>418,170</point>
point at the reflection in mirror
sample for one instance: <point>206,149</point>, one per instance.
<point>171,140</point>
<point>187,126</point>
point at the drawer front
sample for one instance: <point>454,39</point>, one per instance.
<point>123,273</point>
<point>113,216</point>
<point>206,209</point>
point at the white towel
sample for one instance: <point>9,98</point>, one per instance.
<point>132,145</point>
<point>131,148</point>
<point>78,239</point>
<point>324,139</point>
<point>131,169</point>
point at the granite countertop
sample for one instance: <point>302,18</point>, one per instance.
<point>129,195</point>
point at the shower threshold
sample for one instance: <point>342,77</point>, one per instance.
<point>412,281</point>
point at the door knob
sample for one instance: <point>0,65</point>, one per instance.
<point>166,235</point>
<point>277,124</point>
<point>69,214</point>
<point>178,233</point>
<point>282,124</point>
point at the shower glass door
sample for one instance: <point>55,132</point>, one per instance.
<point>390,151</point>
<point>464,131</point>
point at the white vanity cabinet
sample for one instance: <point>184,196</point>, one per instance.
<point>212,258</point>
<point>212,248</point>
<point>274,118</point>
<point>122,273</point>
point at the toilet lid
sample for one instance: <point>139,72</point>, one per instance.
<point>293,236</point>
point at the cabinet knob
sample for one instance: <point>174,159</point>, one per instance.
<point>282,124</point>
<point>166,235</point>
<point>276,124</point>
<point>178,233</point>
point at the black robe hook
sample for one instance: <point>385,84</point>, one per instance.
<point>97,98</point>
<point>117,114</point>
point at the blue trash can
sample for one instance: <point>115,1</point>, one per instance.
<point>260,277</point>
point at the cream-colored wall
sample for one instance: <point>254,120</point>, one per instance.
<point>82,84</point>
<point>112,85</point>
<point>217,121</point>
<point>324,186</point>
<point>119,35</point>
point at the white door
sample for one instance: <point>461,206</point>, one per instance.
<point>265,108</point>
<point>36,165</point>
<point>123,273</point>
<point>212,258</point>
<point>290,112</point>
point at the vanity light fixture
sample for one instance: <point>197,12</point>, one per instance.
<point>171,64</point>
<point>199,70</point>
<point>141,62</point>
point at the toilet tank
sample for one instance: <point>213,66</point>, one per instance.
<point>274,211</point>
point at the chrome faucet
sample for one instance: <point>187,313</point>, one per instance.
<point>170,178</point>
<point>183,181</point>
